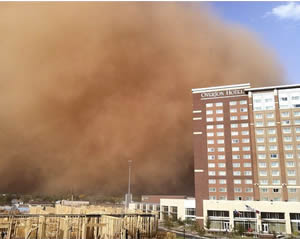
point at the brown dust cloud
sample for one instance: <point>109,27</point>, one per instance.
<point>85,87</point>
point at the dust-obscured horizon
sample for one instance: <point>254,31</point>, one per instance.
<point>87,86</point>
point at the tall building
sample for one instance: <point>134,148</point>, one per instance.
<point>246,143</point>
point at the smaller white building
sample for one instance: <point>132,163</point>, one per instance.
<point>182,209</point>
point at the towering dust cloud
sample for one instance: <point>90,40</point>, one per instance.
<point>84,87</point>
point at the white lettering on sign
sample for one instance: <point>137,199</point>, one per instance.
<point>215,94</point>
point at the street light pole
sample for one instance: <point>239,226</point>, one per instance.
<point>129,175</point>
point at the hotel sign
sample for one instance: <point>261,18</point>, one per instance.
<point>225,93</point>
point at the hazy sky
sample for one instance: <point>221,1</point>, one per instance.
<point>276,23</point>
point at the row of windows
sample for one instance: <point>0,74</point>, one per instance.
<point>275,147</point>
<point>214,181</point>
<point>243,125</point>
<point>236,141</point>
<point>271,115</point>
<point>213,190</point>
<point>222,157</point>
<point>242,117</point>
<point>246,148</point>
<point>211,134</point>
<point>234,149</point>
<point>287,114</point>
<point>242,102</point>
<point>289,164</point>
<point>210,112</point>
<point>260,116</point>
<point>277,182</point>
<point>247,190</point>
<point>238,173</point>
<point>218,126</point>
<point>234,165</point>
<point>236,133</point>
<point>235,198</point>
<point>235,110</point>
<point>219,141</point>
<point>212,119</point>
<point>276,173</point>
<point>218,104</point>
<point>275,156</point>
<point>273,123</point>
<point>239,181</point>
<point>273,139</point>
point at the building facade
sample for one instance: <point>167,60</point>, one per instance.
<point>246,144</point>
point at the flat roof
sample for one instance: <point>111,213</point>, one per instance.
<point>223,87</point>
<point>274,87</point>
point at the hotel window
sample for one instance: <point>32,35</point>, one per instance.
<point>211,134</point>
<point>221,165</point>
<point>270,107</point>
<point>260,140</point>
<point>243,109</point>
<point>289,156</point>
<point>271,131</point>
<point>219,111</point>
<point>246,156</point>
<point>297,138</point>
<point>263,173</point>
<point>247,165</point>
<point>211,157</point>
<point>232,103</point>
<point>249,190</point>
<point>234,149</point>
<point>244,125</point>
<point>235,156</point>
<point>272,139</point>
<point>257,108</point>
<point>220,126</point>
<point>235,141</point>
<point>236,173</point>
<point>297,129</point>
<point>220,133</point>
<point>270,115</point>
<point>209,126</point>
<point>233,117</point>
<point>291,172</point>
<point>212,197</point>
<point>264,190</point>
<point>209,105</point>
<point>234,133</point>
<point>292,190</point>
<point>221,157</point>
<point>286,122</point>
<point>212,190</point>
<point>222,173</point>
<point>222,181</point>
<point>273,156</point>
<point>283,99</point>
<point>220,141</point>
<point>243,102</point>
<point>259,124</point>
<point>262,165</point>
<point>248,173</point>
<point>258,116</point>
<point>271,123</point>
<point>245,132</point>
<point>297,97</point>
<point>210,141</point>
<point>273,147</point>
<point>211,150</point>
<point>291,182</point>
<point>223,190</point>
<point>259,131</point>
<point>244,117</point>
<point>233,110</point>
<point>274,164</point>
<point>237,181</point>
<point>286,130</point>
<point>298,146</point>
<point>211,181</point>
<point>285,114</point>
<point>211,173</point>
<point>287,139</point>
<point>236,165</point>
<point>234,125</point>
<point>237,190</point>
<point>290,164</point>
<point>263,182</point>
<point>209,112</point>
<point>296,122</point>
<point>261,148</point>
<point>219,104</point>
<point>275,172</point>
<point>297,113</point>
<point>261,156</point>
<point>248,181</point>
<point>221,149</point>
<point>219,118</point>
<point>209,119</point>
<point>275,181</point>
<point>211,165</point>
<point>246,140</point>
<point>247,148</point>
<point>288,147</point>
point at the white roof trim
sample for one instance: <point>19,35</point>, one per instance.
<point>274,87</point>
<point>218,88</point>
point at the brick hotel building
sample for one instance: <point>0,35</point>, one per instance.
<point>246,144</point>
